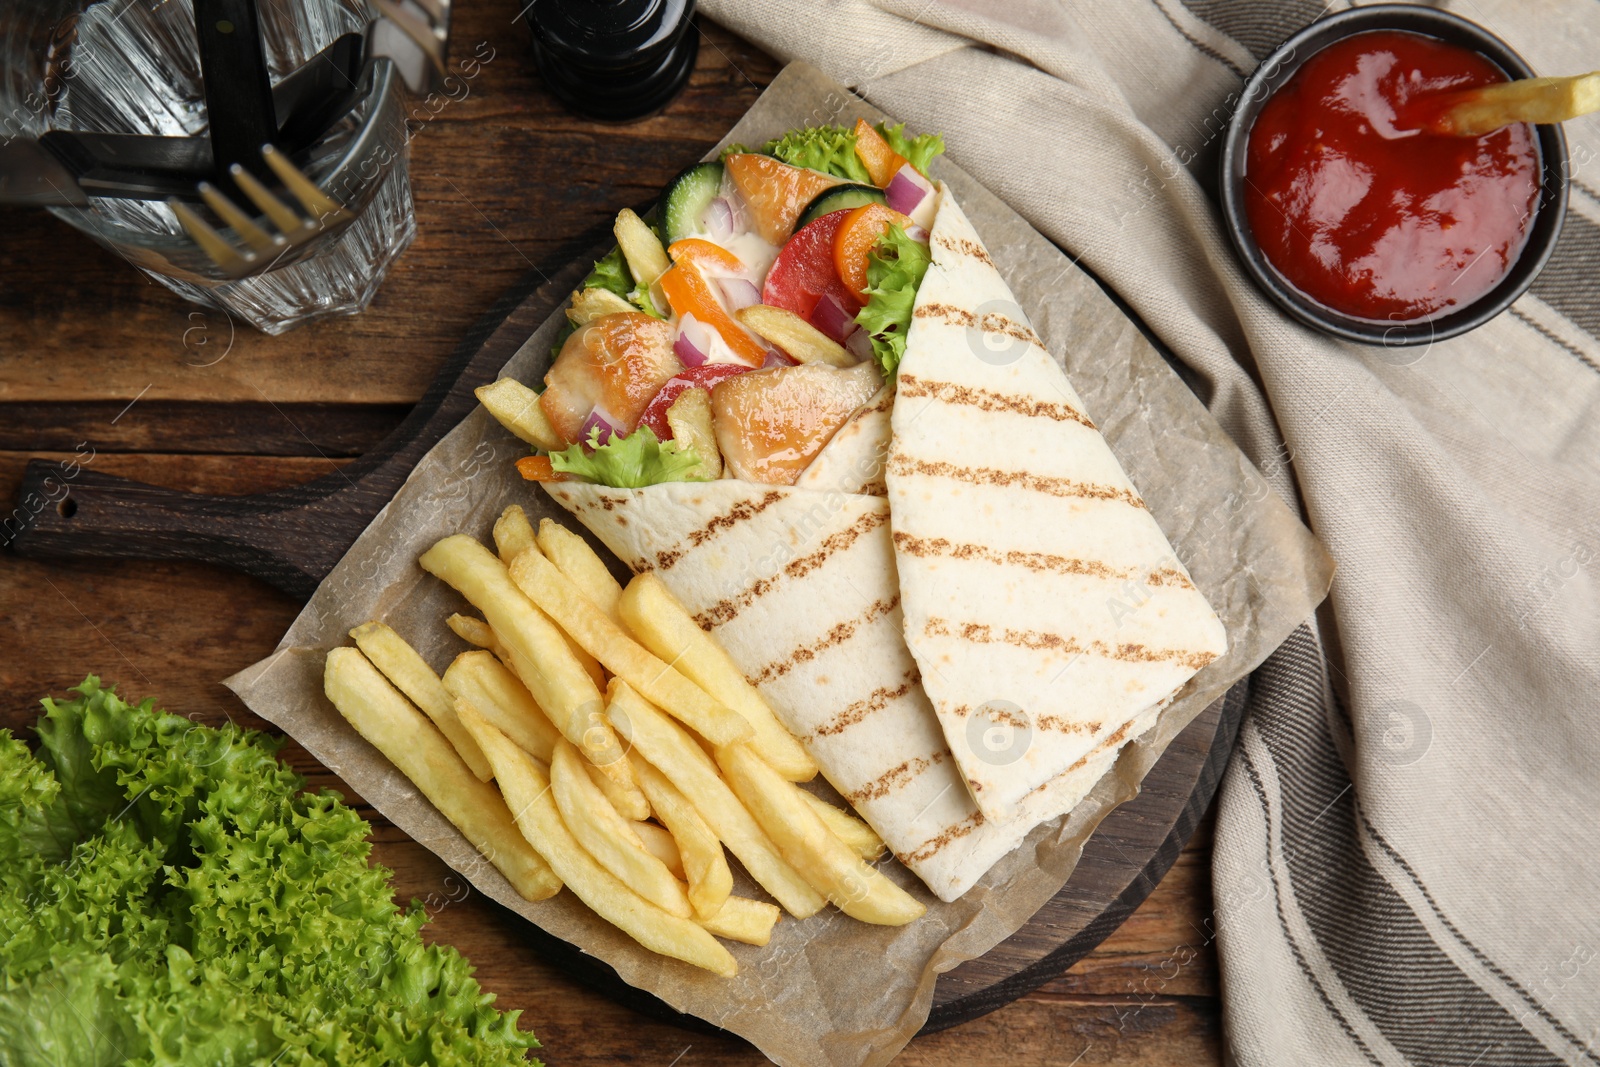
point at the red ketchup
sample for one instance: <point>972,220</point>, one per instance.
<point>1362,211</point>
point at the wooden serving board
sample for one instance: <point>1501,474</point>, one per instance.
<point>291,538</point>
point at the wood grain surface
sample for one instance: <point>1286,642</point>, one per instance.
<point>94,359</point>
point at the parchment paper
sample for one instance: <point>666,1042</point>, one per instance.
<point>829,990</point>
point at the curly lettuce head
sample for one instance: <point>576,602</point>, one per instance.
<point>169,895</point>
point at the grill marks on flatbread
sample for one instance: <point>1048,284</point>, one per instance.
<point>905,466</point>
<point>962,247</point>
<point>1039,561</point>
<point>727,608</point>
<point>863,709</point>
<point>1039,641</point>
<point>740,512</point>
<point>987,322</point>
<point>990,400</point>
<point>894,779</point>
<point>1032,572</point>
<point>837,635</point>
<point>1086,771</point>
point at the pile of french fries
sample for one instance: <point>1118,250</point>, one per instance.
<point>627,748</point>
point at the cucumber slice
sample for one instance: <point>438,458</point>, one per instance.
<point>686,198</point>
<point>839,198</point>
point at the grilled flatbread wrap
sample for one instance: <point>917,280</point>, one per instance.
<point>1042,602</point>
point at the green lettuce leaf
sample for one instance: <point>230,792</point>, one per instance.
<point>188,903</point>
<point>630,462</point>
<point>69,1017</point>
<point>895,268</point>
<point>829,149</point>
<point>918,151</point>
<point>610,272</point>
<point>34,825</point>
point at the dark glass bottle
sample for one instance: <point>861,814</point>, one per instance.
<point>614,59</point>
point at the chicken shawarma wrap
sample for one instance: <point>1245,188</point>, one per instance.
<point>785,398</point>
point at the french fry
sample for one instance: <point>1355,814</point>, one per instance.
<point>607,837</point>
<point>513,535</point>
<point>666,628</point>
<point>516,407</point>
<point>527,793</point>
<point>666,745</point>
<point>630,803</point>
<point>689,419</point>
<point>518,713</point>
<point>705,868</point>
<point>860,891</point>
<point>802,341</point>
<point>491,690</point>
<point>538,650</point>
<point>624,657</point>
<point>743,919</point>
<point>473,630</point>
<point>647,260</point>
<point>573,557</point>
<point>661,845</point>
<point>386,719</point>
<point>1481,110</point>
<point>401,664</point>
<point>594,302</point>
<point>862,839</point>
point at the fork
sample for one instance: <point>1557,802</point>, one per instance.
<point>263,248</point>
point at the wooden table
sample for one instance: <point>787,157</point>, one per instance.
<point>96,358</point>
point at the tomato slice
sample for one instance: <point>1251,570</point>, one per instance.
<point>858,235</point>
<point>705,376</point>
<point>804,271</point>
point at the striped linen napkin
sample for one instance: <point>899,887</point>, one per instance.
<point>1408,843</point>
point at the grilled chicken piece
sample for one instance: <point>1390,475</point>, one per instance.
<point>614,364</point>
<point>771,424</point>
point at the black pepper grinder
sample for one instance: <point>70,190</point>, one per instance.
<point>614,59</point>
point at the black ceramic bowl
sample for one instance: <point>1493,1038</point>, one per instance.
<point>1279,67</point>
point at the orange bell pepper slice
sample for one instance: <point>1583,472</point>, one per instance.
<point>539,469</point>
<point>874,152</point>
<point>689,293</point>
<point>700,250</point>
<point>856,238</point>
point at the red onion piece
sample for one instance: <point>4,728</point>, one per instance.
<point>600,420</point>
<point>693,345</point>
<point>917,233</point>
<point>907,190</point>
<point>776,358</point>
<point>833,318</point>
<point>739,293</point>
<point>860,345</point>
<point>717,218</point>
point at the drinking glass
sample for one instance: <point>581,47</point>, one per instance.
<point>133,66</point>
